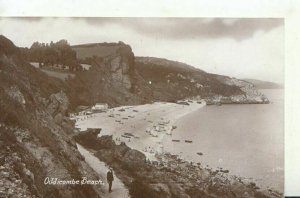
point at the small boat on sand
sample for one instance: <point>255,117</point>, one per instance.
<point>125,136</point>
<point>175,140</point>
<point>199,153</point>
<point>188,141</point>
<point>129,134</point>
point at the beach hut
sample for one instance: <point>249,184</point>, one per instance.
<point>100,107</point>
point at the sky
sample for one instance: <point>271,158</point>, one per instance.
<point>236,47</point>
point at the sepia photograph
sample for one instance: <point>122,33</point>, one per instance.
<point>142,107</point>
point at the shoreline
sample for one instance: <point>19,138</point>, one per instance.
<point>143,117</point>
<point>141,127</point>
<point>169,176</point>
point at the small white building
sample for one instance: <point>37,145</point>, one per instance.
<point>100,107</point>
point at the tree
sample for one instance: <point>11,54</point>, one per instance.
<point>54,53</point>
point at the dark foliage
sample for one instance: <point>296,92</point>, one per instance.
<point>53,54</point>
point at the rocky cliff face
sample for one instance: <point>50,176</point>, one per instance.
<point>35,134</point>
<point>111,79</point>
<point>121,66</point>
<point>116,59</point>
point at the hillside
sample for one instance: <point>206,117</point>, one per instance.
<point>259,84</point>
<point>148,79</point>
<point>175,80</point>
<point>35,135</point>
<point>96,49</point>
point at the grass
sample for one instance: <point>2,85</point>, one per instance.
<point>98,50</point>
<point>60,74</point>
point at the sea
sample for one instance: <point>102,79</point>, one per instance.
<point>247,140</point>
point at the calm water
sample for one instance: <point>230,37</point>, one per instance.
<point>248,140</point>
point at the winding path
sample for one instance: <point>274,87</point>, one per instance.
<point>118,189</point>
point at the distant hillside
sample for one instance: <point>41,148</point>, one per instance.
<point>166,63</point>
<point>259,84</point>
<point>171,80</point>
<point>148,79</point>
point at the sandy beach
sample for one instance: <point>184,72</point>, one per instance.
<point>167,127</point>
<point>141,127</point>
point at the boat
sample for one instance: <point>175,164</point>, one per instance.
<point>199,153</point>
<point>209,103</point>
<point>129,134</point>
<point>175,140</point>
<point>125,136</point>
<point>188,141</point>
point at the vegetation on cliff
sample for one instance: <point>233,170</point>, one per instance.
<point>49,55</point>
<point>35,134</point>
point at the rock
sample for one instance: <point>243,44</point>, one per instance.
<point>135,157</point>
<point>5,174</point>
<point>28,173</point>
<point>58,118</point>
<point>16,95</point>
<point>58,103</point>
<point>121,150</point>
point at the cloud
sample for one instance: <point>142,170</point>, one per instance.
<point>244,48</point>
<point>179,28</point>
<point>28,19</point>
<point>193,28</point>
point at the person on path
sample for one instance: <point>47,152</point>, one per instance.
<point>110,179</point>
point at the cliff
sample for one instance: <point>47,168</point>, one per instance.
<point>117,77</point>
<point>35,135</point>
<point>112,77</point>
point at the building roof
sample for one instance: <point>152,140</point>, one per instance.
<point>101,104</point>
